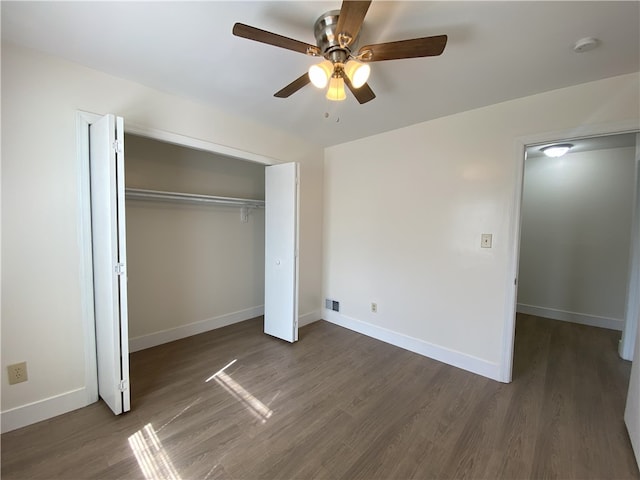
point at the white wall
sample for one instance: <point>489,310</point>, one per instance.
<point>575,236</point>
<point>42,314</point>
<point>404,211</point>
<point>191,267</point>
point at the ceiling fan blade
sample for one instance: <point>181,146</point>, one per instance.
<point>351,16</point>
<point>259,35</point>
<point>363,94</point>
<point>413,48</point>
<point>293,87</point>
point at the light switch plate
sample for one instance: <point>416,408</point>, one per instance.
<point>486,240</point>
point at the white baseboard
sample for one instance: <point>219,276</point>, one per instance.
<point>169,335</point>
<point>24,415</point>
<point>183,331</point>
<point>582,318</point>
<point>308,318</point>
<point>436,352</point>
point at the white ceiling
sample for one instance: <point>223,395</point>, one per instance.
<point>496,51</point>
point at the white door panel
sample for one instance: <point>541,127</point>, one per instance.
<point>106,147</point>
<point>631,335</point>
<point>632,410</point>
<point>281,251</point>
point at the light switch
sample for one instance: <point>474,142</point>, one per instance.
<point>485,240</point>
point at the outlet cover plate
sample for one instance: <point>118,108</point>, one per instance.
<point>17,373</point>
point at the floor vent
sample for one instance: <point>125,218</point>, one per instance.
<point>332,305</point>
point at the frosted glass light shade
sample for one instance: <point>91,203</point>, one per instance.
<point>357,72</point>
<point>336,91</point>
<point>320,73</point>
<point>555,151</point>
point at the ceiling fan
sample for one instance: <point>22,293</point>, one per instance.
<point>336,34</point>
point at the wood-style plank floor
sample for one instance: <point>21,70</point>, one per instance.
<point>341,405</point>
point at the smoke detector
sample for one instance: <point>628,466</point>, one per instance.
<point>585,44</point>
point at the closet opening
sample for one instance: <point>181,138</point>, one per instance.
<point>181,237</point>
<point>195,240</point>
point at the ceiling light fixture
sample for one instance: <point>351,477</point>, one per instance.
<point>357,72</point>
<point>332,73</point>
<point>557,150</point>
<point>336,92</point>
<point>321,73</point>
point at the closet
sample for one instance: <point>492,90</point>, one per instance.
<point>180,243</point>
<point>195,240</point>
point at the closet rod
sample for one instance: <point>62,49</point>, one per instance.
<point>140,194</point>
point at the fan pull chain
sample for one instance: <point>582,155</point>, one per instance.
<point>330,111</point>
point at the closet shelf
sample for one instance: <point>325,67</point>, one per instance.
<point>140,194</point>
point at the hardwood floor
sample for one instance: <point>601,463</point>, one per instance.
<point>341,405</point>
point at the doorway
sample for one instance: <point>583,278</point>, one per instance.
<point>511,285</point>
<point>600,210</point>
<point>576,231</point>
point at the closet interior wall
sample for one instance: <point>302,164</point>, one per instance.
<point>192,267</point>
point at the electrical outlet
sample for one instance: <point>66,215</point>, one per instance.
<point>17,373</point>
<point>374,307</point>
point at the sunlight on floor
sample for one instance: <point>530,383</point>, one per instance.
<point>151,455</point>
<point>255,406</point>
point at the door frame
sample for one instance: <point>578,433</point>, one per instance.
<point>511,288</point>
<point>83,122</point>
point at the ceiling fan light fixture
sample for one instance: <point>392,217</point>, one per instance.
<point>357,72</point>
<point>320,73</point>
<point>557,150</point>
<point>336,92</point>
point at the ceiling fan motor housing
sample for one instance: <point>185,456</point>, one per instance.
<point>327,38</point>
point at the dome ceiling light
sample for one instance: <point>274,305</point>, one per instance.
<point>557,150</point>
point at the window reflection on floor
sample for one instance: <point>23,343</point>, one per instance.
<point>255,406</point>
<point>151,455</point>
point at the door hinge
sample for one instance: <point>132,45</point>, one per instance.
<point>117,146</point>
<point>123,385</point>
<point>120,268</point>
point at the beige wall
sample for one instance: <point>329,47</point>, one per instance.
<point>404,212</point>
<point>42,312</point>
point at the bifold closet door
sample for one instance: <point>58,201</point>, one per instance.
<point>281,252</point>
<point>106,169</point>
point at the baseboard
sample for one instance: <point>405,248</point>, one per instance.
<point>308,318</point>
<point>450,357</point>
<point>31,413</point>
<point>169,335</point>
<point>183,331</point>
<point>581,318</point>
